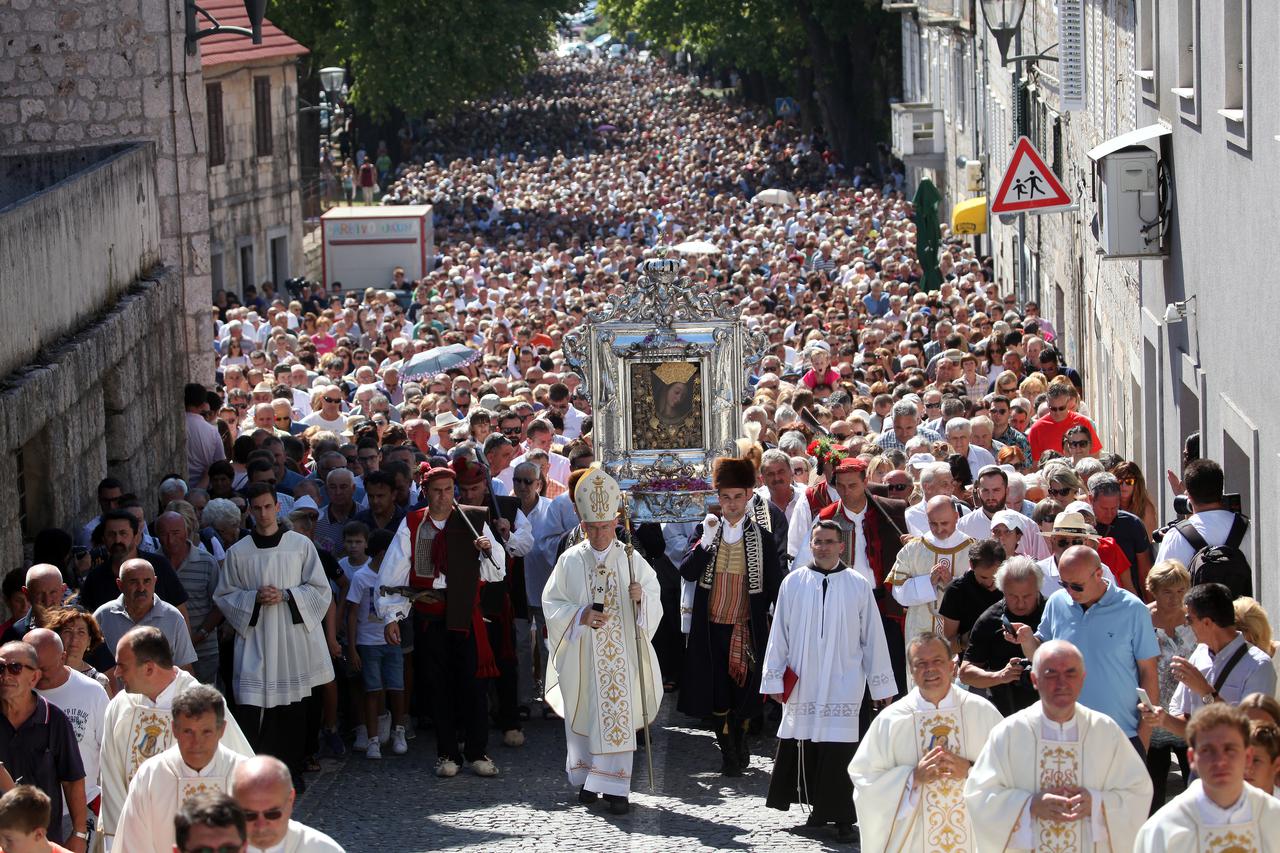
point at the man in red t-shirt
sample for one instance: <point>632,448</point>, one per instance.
<point>1047,432</point>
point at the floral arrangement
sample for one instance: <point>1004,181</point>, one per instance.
<point>826,451</point>
<point>674,484</point>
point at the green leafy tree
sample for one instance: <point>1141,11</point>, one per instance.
<point>416,55</point>
<point>841,58</point>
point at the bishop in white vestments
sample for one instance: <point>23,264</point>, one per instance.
<point>925,566</point>
<point>274,593</point>
<point>826,648</point>
<point>1218,812</point>
<point>1058,776</point>
<point>139,721</point>
<point>909,771</point>
<point>598,667</point>
<point>197,763</point>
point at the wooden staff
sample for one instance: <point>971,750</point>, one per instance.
<point>642,645</point>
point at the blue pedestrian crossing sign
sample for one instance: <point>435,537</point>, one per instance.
<point>786,107</point>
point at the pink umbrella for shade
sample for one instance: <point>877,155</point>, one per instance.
<point>606,128</point>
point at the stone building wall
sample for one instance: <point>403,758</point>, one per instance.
<point>252,198</point>
<point>106,402</point>
<point>74,73</point>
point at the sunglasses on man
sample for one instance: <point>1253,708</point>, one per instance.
<point>14,667</point>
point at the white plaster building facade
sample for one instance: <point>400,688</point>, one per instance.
<point>1200,71</point>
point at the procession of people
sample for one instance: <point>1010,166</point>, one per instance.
<point>930,605</point>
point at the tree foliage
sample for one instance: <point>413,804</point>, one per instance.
<point>416,55</point>
<point>843,57</point>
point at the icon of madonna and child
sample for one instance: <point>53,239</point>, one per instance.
<point>666,403</point>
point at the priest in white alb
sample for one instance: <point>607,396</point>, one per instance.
<point>1058,776</point>
<point>1219,811</point>
<point>909,771</point>
<point>197,763</point>
<point>826,649</point>
<point>926,565</point>
<point>139,721</point>
<point>599,664</point>
<point>274,593</point>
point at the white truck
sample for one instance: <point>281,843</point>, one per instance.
<point>362,246</point>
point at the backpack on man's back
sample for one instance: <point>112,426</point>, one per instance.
<point>1226,563</point>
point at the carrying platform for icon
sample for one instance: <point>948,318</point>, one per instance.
<point>665,366</point>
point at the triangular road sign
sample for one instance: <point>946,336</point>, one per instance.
<point>1029,186</point>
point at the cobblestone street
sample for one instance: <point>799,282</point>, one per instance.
<point>399,806</point>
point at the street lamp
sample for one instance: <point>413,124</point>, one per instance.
<point>331,80</point>
<point>254,9</point>
<point>1004,20</point>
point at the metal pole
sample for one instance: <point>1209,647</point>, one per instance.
<point>642,646</point>
<point>1019,265</point>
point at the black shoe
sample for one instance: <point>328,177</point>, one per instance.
<point>587,797</point>
<point>617,805</point>
<point>814,821</point>
<point>846,833</point>
<point>740,751</point>
<point>729,765</point>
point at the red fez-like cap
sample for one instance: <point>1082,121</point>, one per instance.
<point>429,473</point>
<point>852,463</point>
<point>468,472</point>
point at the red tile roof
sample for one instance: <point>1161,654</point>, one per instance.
<point>231,48</point>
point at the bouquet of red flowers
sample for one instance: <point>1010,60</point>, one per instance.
<point>826,451</point>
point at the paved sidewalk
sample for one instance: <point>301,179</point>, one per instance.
<point>399,806</point>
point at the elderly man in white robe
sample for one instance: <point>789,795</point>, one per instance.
<point>274,593</point>
<point>603,676</point>
<point>197,763</point>
<point>909,771</point>
<point>139,720</point>
<point>1057,775</point>
<point>1218,811</point>
<point>262,787</point>
<point>826,649</point>
<point>926,565</point>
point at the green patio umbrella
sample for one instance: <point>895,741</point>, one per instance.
<point>928,233</point>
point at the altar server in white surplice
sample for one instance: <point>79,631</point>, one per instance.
<point>909,771</point>
<point>826,649</point>
<point>274,593</point>
<point>1219,811</point>
<point>197,763</point>
<point>139,719</point>
<point>594,675</point>
<point>1057,776</point>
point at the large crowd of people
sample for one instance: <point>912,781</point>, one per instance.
<point>919,551</point>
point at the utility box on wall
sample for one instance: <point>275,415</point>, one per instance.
<point>1128,189</point>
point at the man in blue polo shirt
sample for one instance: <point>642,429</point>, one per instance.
<point>1112,628</point>
<point>38,744</point>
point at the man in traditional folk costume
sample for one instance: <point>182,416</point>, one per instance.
<point>736,571</point>
<point>197,763</point>
<point>1058,776</point>
<point>926,565</point>
<point>138,724</point>
<point>1218,812</point>
<point>437,559</point>
<point>275,594</point>
<point>599,664</point>
<point>826,653</point>
<point>909,771</point>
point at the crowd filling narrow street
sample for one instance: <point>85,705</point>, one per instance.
<point>927,607</point>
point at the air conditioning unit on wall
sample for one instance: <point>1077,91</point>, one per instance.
<point>974,176</point>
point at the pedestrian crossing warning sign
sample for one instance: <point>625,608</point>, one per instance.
<point>1029,186</point>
